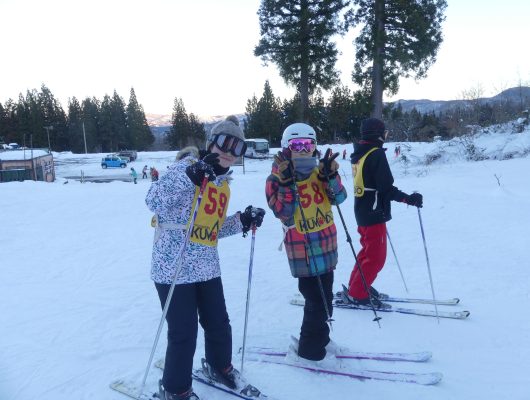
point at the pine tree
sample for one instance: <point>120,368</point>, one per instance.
<point>139,134</point>
<point>9,130</point>
<point>198,132</point>
<point>179,134</point>
<point>251,120</point>
<point>75,126</point>
<point>339,110</point>
<point>50,110</point>
<point>90,109</point>
<point>296,36</point>
<point>119,122</point>
<point>3,124</point>
<point>113,124</point>
<point>290,111</point>
<point>30,121</point>
<point>398,38</point>
<point>264,117</point>
<point>318,116</point>
<point>107,135</point>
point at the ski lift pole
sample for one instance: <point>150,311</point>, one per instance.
<point>428,265</point>
<point>251,262</point>
<point>178,263</point>
<point>397,261</point>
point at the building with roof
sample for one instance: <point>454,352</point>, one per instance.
<point>26,164</point>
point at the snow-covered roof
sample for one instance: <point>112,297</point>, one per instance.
<point>12,155</point>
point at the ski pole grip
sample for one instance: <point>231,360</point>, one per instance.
<point>204,182</point>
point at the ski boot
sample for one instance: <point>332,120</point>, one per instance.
<point>229,377</point>
<point>364,303</point>
<point>232,379</point>
<point>164,395</point>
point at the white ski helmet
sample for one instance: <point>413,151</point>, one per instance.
<point>297,130</point>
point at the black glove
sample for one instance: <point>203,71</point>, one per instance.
<point>198,170</point>
<point>327,167</point>
<point>414,199</point>
<point>285,170</point>
<point>251,216</point>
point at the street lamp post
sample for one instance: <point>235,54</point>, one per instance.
<point>48,128</point>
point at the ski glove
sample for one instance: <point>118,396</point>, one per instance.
<point>285,169</point>
<point>328,167</point>
<point>198,170</point>
<point>251,216</point>
<point>414,199</point>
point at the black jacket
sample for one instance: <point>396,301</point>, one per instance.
<point>377,175</point>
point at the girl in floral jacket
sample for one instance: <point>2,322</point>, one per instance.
<point>198,291</point>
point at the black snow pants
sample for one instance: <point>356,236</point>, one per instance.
<point>202,302</point>
<point>314,334</point>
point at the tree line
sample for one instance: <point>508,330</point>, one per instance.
<point>338,119</point>
<point>38,120</point>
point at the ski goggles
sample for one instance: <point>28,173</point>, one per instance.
<point>230,144</point>
<point>299,145</point>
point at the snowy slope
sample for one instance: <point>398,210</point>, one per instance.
<point>79,309</point>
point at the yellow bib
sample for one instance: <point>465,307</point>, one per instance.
<point>357,170</point>
<point>211,213</point>
<point>316,205</point>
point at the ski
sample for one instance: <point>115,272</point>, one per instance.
<point>413,311</point>
<point>386,298</point>
<point>130,389</point>
<point>406,377</point>
<point>352,355</point>
<point>245,391</point>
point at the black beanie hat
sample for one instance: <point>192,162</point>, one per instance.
<point>373,128</point>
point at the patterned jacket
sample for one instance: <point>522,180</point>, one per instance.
<point>170,198</point>
<point>282,201</point>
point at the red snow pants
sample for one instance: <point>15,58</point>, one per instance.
<point>371,257</point>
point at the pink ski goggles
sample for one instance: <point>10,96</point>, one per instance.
<point>299,145</point>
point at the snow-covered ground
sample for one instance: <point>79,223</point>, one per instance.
<point>79,309</point>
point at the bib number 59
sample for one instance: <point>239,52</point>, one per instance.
<point>215,201</point>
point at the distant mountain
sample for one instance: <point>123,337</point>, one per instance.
<point>424,106</point>
<point>162,120</point>
<point>158,119</point>
<point>160,124</point>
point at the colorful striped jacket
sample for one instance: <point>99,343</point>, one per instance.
<point>282,201</point>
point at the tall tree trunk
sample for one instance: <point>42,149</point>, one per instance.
<point>377,72</point>
<point>304,66</point>
<point>304,95</point>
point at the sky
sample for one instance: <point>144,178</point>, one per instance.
<point>202,52</point>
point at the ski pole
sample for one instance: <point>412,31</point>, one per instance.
<point>428,265</point>
<point>308,246</point>
<point>397,261</point>
<point>178,263</point>
<point>251,262</point>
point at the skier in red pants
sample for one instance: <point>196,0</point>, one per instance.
<point>374,190</point>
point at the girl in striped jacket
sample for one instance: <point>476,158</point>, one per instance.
<point>301,194</point>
